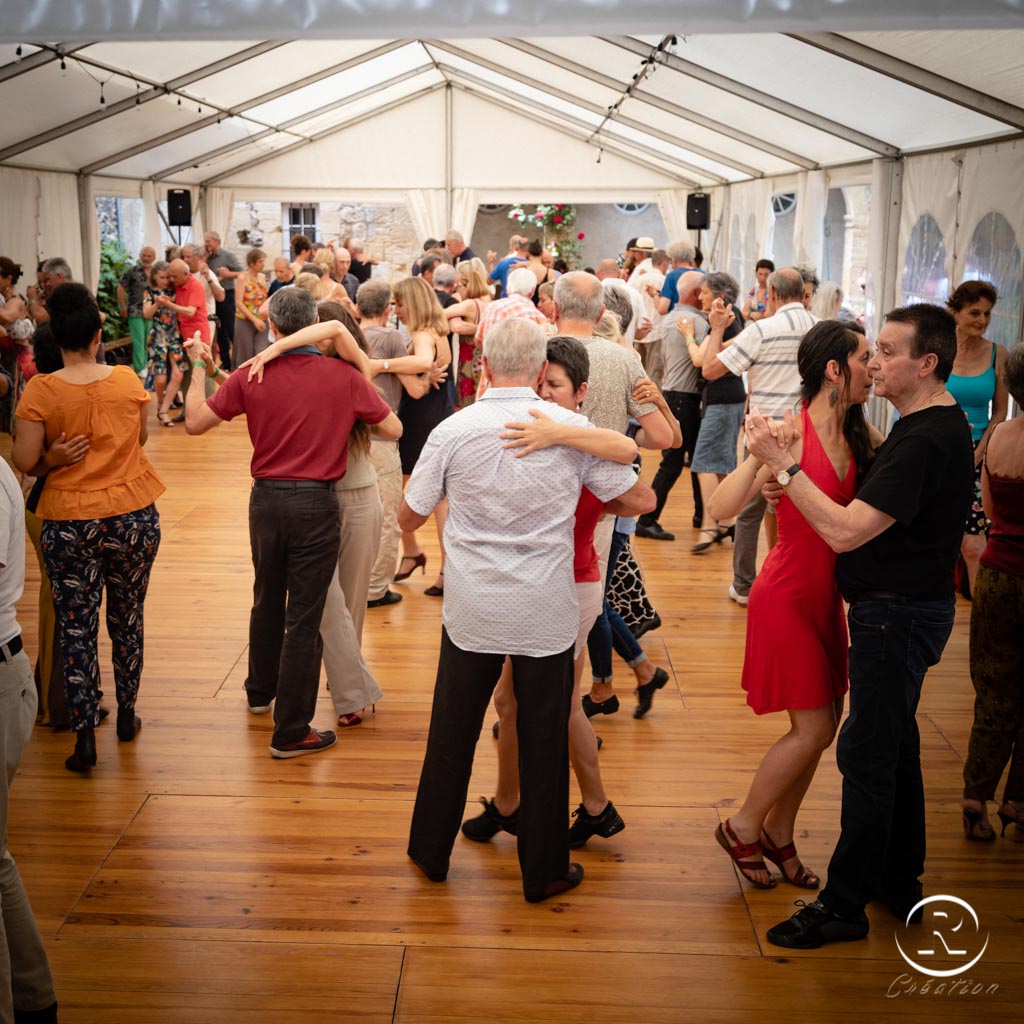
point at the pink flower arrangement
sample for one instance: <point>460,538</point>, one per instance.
<point>581,236</point>
<point>556,220</point>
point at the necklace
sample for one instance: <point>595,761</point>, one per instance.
<point>929,401</point>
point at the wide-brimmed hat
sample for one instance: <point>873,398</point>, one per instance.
<point>644,244</point>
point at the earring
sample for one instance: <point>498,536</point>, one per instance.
<point>833,396</point>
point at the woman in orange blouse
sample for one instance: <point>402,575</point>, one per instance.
<point>100,523</point>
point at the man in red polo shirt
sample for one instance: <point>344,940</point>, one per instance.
<point>189,301</point>
<point>299,420</point>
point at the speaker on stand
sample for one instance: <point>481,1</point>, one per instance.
<point>179,209</point>
<point>698,213</point>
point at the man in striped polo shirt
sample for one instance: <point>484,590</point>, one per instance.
<point>766,351</point>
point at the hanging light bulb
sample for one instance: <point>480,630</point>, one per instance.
<point>63,68</point>
<point>138,101</point>
<point>103,99</point>
<point>179,101</point>
<point>17,54</point>
<point>200,110</point>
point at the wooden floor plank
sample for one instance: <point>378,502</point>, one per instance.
<point>193,878</point>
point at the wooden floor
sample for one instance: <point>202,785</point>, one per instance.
<point>194,879</point>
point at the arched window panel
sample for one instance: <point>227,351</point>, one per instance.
<point>994,255</point>
<point>924,264</point>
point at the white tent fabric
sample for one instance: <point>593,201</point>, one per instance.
<point>809,226</point>
<point>427,209</point>
<point>39,218</point>
<point>170,19</point>
<point>219,203</point>
<point>465,203</point>
<point>672,204</point>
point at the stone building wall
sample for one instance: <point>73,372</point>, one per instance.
<point>387,230</point>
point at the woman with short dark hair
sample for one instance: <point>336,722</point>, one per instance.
<point>101,528</point>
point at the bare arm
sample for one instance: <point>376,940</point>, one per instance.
<point>389,429</point>
<point>13,309</point>
<point>663,305</point>
<point>843,529</point>
<point>654,433</point>
<point>28,452</point>
<point>639,499</point>
<point>122,299</point>
<point>324,335</point>
<point>409,520</point>
<point>543,432</point>
<point>738,488</point>
<point>646,390</point>
<point>1000,403</point>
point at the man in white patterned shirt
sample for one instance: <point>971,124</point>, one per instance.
<point>766,351</point>
<point>509,590</point>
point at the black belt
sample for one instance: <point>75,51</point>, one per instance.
<point>295,485</point>
<point>878,595</point>
<point>11,648</point>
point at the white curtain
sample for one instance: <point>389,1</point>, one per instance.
<point>428,209</point>
<point>19,233</point>
<point>91,242</point>
<point>992,183</point>
<point>672,204</point>
<point>39,218</point>
<point>465,203</point>
<point>809,220</point>
<point>883,253</point>
<point>219,204</point>
<point>151,216</point>
<point>750,218</point>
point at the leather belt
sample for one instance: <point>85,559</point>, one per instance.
<point>11,648</point>
<point>294,485</point>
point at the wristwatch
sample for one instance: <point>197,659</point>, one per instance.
<point>786,475</point>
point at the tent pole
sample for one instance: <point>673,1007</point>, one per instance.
<point>84,200</point>
<point>449,155</point>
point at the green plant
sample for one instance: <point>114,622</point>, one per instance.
<point>115,259</point>
<point>555,221</point>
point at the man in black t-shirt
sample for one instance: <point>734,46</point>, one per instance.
<point>898,542</point>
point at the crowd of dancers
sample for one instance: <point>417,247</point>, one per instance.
<point>456,394</point>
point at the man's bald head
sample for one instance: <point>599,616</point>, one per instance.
<point>178,272</point>
<point>606,269</point>
<point>688,288</point>
<point>787,284</point>
<point>579,296</point>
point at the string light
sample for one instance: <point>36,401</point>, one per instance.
<point>138,100</point>
<point>63,68</point>
<point>179,101</point>
<point>103,99</point>
<point>17,54</point>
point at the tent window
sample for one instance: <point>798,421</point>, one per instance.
<point>120,220</point>
<point>302,220</point>
<point>924,264</point>
<point>783,244</point>
<point>631,209</point>
<point>993,255</point>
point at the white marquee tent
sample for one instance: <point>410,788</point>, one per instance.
<point>490,102</point>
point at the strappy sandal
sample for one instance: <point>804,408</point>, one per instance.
<point>741,854</point>
<point>778,855</point>
<point>165,419</point>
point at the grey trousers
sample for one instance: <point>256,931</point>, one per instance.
<point>744,552</point>
<point>353,686</point>
<point>25,980</point>
<point>388,463</point>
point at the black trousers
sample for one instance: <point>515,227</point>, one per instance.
<point>226,327</point>
<point>685,407</point>
<point>295,535</point>
<point>882,844</point>
<point>465,682</point>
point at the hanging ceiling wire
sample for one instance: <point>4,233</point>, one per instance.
<point>647,68</point>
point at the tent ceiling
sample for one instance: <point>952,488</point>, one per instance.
<point>712,108</point>
<point>38,20</point>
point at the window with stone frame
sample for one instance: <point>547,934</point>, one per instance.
<point>302,219</point>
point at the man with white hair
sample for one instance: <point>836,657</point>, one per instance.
<point>130,291</point>
<point>55,272</point>
<point>639,325</point>
<point>225,264</point>
<point>517,303</point>
<point>509,591</point>
<point>683,256</point>
<point>457,247</point>
<point>362,265</point>
<point>682,392</point>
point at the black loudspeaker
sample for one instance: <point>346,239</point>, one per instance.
<point>179,207</point>
<point>698,211</point>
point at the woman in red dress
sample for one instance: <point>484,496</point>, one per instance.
<point>796,653</point>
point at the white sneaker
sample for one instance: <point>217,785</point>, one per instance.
<point>740,599</point>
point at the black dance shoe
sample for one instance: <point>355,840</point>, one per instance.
<point>84,756</point>
<point>815,925</point>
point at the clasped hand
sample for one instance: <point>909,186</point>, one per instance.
<point>528,437</point>
<point>767,439</point>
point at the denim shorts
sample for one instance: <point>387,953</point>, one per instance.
<point>718,438</point>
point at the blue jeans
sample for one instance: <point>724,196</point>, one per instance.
<point>881,848</point>
<point>610,631</point>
